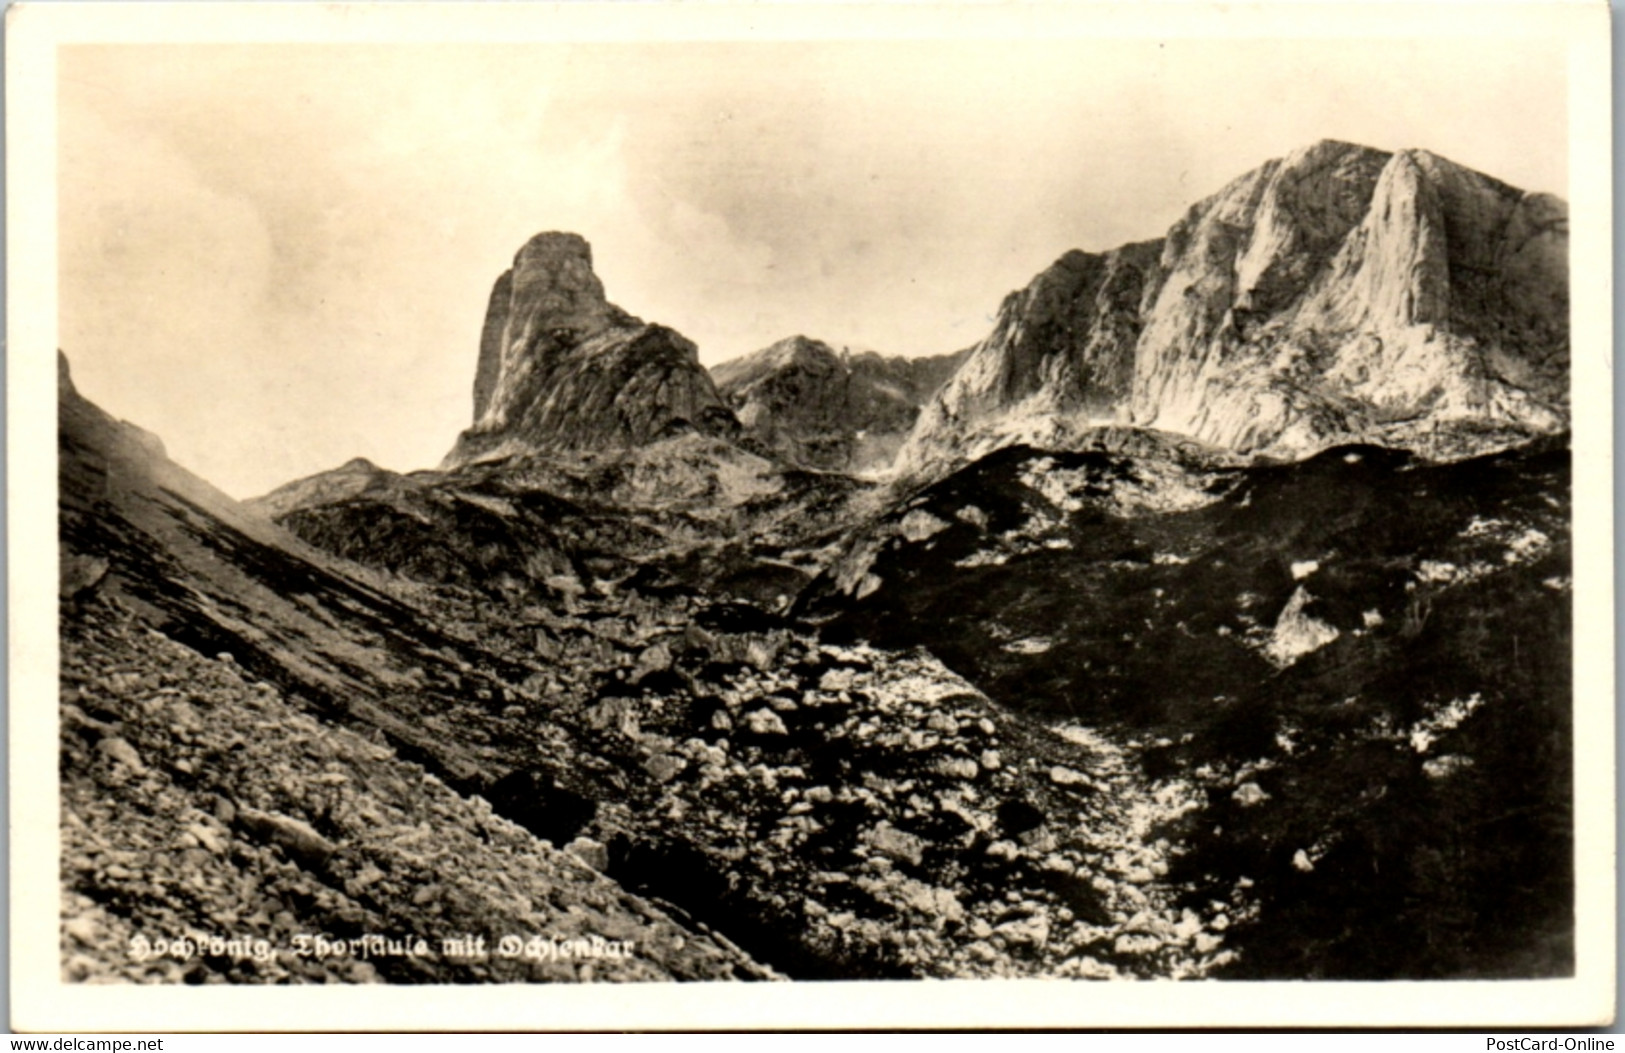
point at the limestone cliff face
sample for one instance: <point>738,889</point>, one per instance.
<point>563,370</point>
<point>1061,351</point>
<point>1338,293</point>
<point>821,408</point>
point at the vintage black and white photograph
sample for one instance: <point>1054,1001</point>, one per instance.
<point>929,504</point>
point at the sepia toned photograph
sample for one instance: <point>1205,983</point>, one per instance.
<point>568,497</point>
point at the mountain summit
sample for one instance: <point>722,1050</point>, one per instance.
<point>1338,293</point>
<point>563,370</point>
<point>828,409</point>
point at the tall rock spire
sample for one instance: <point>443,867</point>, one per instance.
<point>562,370</point>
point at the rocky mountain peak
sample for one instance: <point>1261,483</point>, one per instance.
<point>550,299</point>
<point>821,408</point>
<point>1338,293</point>
<point>563,370</point>
<point>803,351</point>
<point>554,285</point>
<point>1061,336</point>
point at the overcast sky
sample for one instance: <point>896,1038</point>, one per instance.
<point>278,257</point>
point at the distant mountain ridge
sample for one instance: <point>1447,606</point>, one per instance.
<point>834,410</point>
<point>1338,293</point>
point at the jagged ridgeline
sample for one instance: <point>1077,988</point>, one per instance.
<point>1211,617</point>
<point>835,410</point>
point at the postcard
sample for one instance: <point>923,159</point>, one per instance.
<point>725,516</point>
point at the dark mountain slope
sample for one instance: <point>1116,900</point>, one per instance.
<point>204,569</point>
<point>1363,658</point>
<point>691,512</point>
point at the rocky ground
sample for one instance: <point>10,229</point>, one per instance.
<point>200,804</point>
<point>1360,664</point>
<point>841,811</point>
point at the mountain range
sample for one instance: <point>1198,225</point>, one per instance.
<point>1337,294</point>
<point>1209,617</point>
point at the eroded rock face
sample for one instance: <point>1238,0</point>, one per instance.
<point>821,408</point>
<point>1340,293</point>
<point>1062,350</point>
<point>562,369</point>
